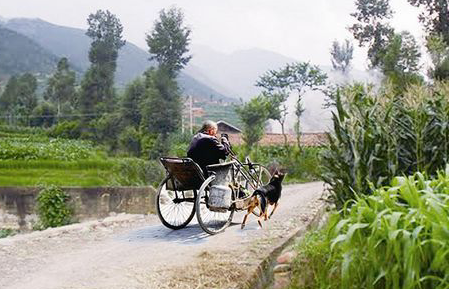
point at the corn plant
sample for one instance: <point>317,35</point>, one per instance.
<point>378,135</point>
<point>397,237</point>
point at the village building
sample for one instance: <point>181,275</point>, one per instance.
<point>307,139</point>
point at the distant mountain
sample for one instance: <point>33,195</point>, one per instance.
<point>236,73</point>
<point>74,44</point>
<point>19,54</point>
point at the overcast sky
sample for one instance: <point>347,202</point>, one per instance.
<point>301,29</point>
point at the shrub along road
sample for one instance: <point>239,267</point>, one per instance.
<point>135,251</point>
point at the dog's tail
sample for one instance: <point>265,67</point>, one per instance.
<point>262,199</point>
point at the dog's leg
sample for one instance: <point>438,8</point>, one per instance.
<point>251,208</point>
<point>275,206</point>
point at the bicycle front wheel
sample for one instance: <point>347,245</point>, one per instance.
<point>211,222</point>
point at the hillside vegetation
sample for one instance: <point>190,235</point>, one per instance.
<point>20,54</point>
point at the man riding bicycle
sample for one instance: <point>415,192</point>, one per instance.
<point>205,149</point>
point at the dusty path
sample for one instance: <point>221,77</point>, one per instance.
<point>133,251</point>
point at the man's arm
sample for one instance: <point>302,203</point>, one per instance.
<point>218,149</point>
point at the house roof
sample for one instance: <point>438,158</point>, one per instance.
<point>222,122</point>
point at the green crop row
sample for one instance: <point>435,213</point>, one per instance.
<point>45,149</point>
<point>379,134</point>
<point>398,237</point>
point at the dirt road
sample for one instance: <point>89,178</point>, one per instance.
<point>134,251</point>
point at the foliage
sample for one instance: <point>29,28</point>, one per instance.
<point>161,109</point>
<point>53,208</point>
<point>400,61</point>
<point>137,172</point>
<point>129,141</point>
<point>439,53</point>
<point>31,148</point>
<point>297,76</point>
<point>97,91</point>
<point>66,129</point>
<point>300,166</point>
<point>436,16</point>
<point>169,40</point>
<point>61,85</point>
<point>378,136</point>
<point>395,237</point>
<point>342,55</point>
<point>130,111</point>
<point>5,232</point>
<point>44,115</point>
<point>309,267</point>
<point>371,28</point>
<point>253,115</point>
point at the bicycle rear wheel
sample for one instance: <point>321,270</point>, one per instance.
<point>211,222</point>
<point>175,208</point>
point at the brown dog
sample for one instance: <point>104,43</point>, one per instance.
<point>268,194</point>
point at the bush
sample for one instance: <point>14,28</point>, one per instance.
<point>301,166</point>
<point>53,208</point>
<point>129,141</point>
<point>7,232</point>
<point>66,129</point>
<point>137,172</point>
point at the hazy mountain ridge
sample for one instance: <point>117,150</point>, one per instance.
<point>74,44</point>
<point>20,54</point>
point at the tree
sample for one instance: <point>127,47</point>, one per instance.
<point>161,108</point>
<point>97,87</point>
<point>341,55</point>
<point>436,16</point>
<point>169,40</point>
<point>61,86</point>
<point>439,53</point>
<point>130,110</point>
<point>276,98</point>
<point>372,28</point>
<point>26,96</point>
<point>8,98</point>
<point>297,77</point>
<point>44,115</point>
<point>400,62</point>
<point>253,115</point>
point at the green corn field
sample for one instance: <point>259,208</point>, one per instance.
<point>378,135</point>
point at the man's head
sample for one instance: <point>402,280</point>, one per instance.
<point>209,127</point>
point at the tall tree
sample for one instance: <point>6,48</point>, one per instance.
<point>8,98</point>
<point>97,87</point>
<point>372,28</point>
<point>162,106</point>
<point>169,40</point>
<point>254,115</point>
<point>296,77</point>
<point>341,55</point>
<point>26,96</point>
<point>400,62</point>
<point>435,17</point>
<point>277,99</point>
<point>61,86</point>
<point>130,108</point>
<point>439,53</point>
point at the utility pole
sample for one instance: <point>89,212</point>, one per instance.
<point>191,114</point>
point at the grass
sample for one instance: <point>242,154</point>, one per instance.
<point>50,176</point>
<point>7,232</point>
